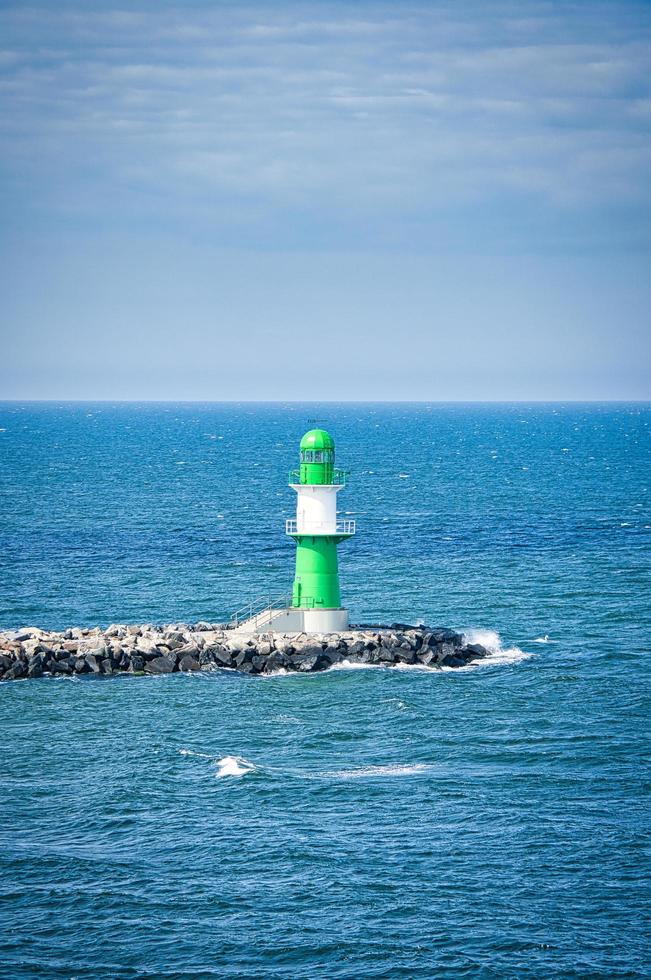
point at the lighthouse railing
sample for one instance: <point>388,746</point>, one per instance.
<point>342,526</point>
<point>339,478</point>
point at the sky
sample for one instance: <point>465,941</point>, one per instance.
<point>322,201</point>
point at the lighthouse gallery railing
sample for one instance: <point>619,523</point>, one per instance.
<point>321,527</point>
<point>338,478</point>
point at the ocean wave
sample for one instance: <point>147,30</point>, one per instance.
<point>497,654</point>
<point>233,765</point>
<point>387,771</point>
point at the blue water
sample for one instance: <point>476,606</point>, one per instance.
<point>488,822</point>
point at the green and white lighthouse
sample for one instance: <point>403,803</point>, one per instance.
<point>315,604</point>
<point>317,532</point>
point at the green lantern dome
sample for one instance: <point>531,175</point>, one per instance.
<point>317,457</point>
<point>317,440</point>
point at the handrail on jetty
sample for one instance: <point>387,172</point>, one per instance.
<point>257,607</point>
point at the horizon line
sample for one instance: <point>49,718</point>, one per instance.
<point>330,401</point>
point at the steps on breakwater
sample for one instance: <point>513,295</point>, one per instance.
<point>149,649</point>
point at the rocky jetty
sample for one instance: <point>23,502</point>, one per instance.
<point>149,649</point>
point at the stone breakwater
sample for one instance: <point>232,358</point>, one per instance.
<point>149,649</point>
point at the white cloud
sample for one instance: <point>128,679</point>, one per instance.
<point>316,109</point>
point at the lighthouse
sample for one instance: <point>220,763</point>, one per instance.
<point>315,603</point>
<point>317,532</point>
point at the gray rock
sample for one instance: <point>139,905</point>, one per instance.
<point>98,650</point>
<point>188,649</point>
<point>405,656</point>
<point>385,656</point>
<point>188,662</point>
<point>278,660</point>
<point>310,662</point>
<point>16,671</point>
<point>237,644</point>
<point>333,655</point>
<point>428,657</point>
<point>178,636</point>
<point>93,663</point>
<point>161,665</point>
<point>136,663</point>
<point>476,650</point>
<point>27,633</point>
<point>145,644</point>
<point>244,657</point>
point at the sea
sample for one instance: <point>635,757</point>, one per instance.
<point>490,821</point>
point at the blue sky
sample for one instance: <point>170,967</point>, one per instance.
<point>345,200</point>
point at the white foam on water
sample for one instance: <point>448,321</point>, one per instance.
<point>198,755</point>
<point>497,654</point>
<point>382,771</point>
<point>233,765</point>
<point>542,639</point>
<point>485,638</point>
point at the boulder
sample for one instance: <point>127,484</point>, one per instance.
<point>136,663</point>
<point>244,657</point>
<point>278,660</point>
<point>145,644</point>
<point>333,655</point>
<point>312,661</point>
<point>161,665</point>
<point>384,656</point>
<point>93,663</point>
<point>222,656</point>
<point>17,670</point>
<point>188,649</point>
<point>188,662</point>
<point>476,650</point>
